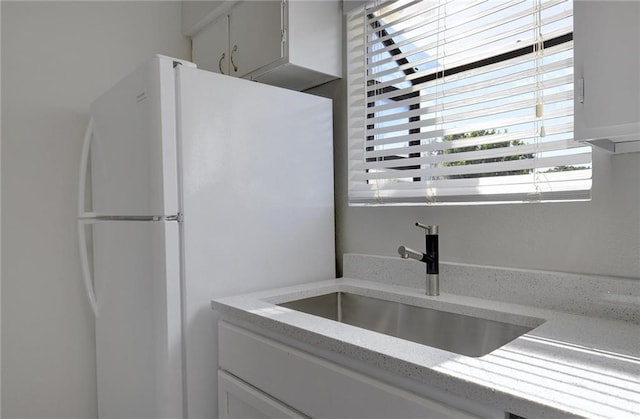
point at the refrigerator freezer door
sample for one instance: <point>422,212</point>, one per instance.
<point>138,326</point>
<point>133,149</point>
<point>257,170</point>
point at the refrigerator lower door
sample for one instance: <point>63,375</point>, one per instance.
<point>257,170</point>
<point>136,268</point>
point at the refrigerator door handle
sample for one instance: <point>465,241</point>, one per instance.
<point>82,178</point>
<point>84,265</point>
<point>82,215</point>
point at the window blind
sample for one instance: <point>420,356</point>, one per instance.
<point>463,102</point>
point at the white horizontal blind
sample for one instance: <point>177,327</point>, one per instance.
<point>463,102</point>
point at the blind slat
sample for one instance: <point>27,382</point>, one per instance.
<point>426,123</point>
<point>475,127</point>
<point>552,130</point>
<point>411,47</point>
<point>520,151</point>
<point>476,169</point>
<point>493,182</point>
<point>507,92</point>
<point>508,77</point>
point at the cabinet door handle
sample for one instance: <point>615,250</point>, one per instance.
<point>580,89</point>
<point>235,67</point>
<point>220,63</point>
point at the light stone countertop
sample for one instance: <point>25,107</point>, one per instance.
<point>571,365</point>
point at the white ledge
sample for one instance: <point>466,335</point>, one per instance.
<point>616,146</point>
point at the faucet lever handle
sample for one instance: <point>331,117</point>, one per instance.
<point>428,229</point>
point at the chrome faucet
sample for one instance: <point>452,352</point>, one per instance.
<point>430,258</point>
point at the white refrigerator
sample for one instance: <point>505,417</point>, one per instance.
<point>194,186</point>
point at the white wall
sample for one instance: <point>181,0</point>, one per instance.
<point>56,58</point>
<point>198,13</point>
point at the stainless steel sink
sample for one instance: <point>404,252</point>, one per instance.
<point>462,334</point>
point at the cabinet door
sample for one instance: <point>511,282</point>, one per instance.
<point>210,47</point>
<point>255,37</point>
<point>238,400</point>
<point>607,61</point>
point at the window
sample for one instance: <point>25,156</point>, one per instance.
<point>463,102</point>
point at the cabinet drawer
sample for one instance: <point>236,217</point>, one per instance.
<point>316,387</point>
<point>238,400</point>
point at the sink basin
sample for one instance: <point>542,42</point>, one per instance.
<point>458,333</point>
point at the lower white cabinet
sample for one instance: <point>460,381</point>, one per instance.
<point>260,377</point>
<point>239,400</point>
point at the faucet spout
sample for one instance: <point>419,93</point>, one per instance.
<point>406,253</point>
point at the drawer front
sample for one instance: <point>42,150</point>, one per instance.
<point>239,400</point>
<point>316,387</point>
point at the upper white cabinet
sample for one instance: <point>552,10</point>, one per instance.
<point>607,73</point>
<point>295,44</point>
<point>255,36</point>
<point>242,40</point>
<point>210,48</point>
